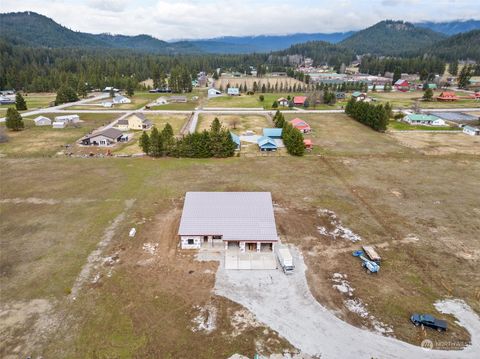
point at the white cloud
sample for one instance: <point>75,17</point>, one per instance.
<point>215,18</point>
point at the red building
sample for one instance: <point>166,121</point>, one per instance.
<point>299,100</point>
<point>300,125</point>
<point>447,96</point>
<point>308,143</point>
<point>402,85</point>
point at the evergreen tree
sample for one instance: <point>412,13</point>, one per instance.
<point>275,104</point>
<point>13,120</point>
<point>397,74</point>
<point>130,91</point>
<point>20,103</point>
<point>428,94</point>
<point>66,94</point>
<point>453,68</point>
<point>156,143</point>
<point>261,98</point>
<point>464,77</point>
<point>144,143</point>
<point>112,93</point>
<point>82,89</point>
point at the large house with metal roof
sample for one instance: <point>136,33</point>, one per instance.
<point>421,119</point>
<point>237,221</point>
<point>105,138</point>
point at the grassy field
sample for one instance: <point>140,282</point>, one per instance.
<point>425,226</point>
<point>403,126</point>
<point>132,147</point>
<point>34,101</point>
<point>407,99</point>
<point>36,141</point>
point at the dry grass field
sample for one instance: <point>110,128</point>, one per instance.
<point>407,99</point>
<point>236,123</point>
<point>421,211</point>
<point>34,101</point>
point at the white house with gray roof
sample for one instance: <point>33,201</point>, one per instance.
<point>239,221</point>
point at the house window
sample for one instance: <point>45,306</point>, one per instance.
<point>190,241</point>
<point>102,142</point>
<point>205,239</point>
<point>217,237</point>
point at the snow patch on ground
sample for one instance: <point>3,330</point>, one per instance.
<point>341,284</point>
<point>206,319</point>
<point>150,248</point>
<point>338,231</point>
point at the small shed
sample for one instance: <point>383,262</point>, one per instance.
<point>161,101</point>
<point>359,96</point>
<point>59,124</point>
<point>68,118</point>
<point>42,121</point>
<point>282,101</point>
<point>233,91</point>
<point>402,85</point>
<point>472,131</point>
<point>308,143</point>
<point>267,144</point>
<point>275,133</point>
<point>213,92</point>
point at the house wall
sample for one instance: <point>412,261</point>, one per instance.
<point>100,138</point>
<point>134,123</point>
<point>122,127</point>
<point>197,242</point>
<point>43,123</point>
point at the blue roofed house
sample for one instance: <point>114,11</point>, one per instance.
<point>274,133</point>
<point>422,119</point>
<point>236,139</point>
<point>233,91</point>
<point>267,144</point>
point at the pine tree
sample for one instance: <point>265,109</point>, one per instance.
<point>66,94</point>
<point>82,89</point>
<point>156,143</point>
<point>13,120</point>
<point>428,94</point>
<point>168,139</point>
<point>144,143</point>
<point>453,68</point>
<point>20,103</point>
<point>464,77</point>
<point>275,104</point>
<point>112,93</point>
<point>130,91</point>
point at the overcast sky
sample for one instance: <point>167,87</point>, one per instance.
<point>181,19</point>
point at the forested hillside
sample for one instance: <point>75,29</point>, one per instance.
<point>391,38</point>
<point>321,52</point>
<point>461,46</point>
<point>451,27</point>
<point>32,29</point>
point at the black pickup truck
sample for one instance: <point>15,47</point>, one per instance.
<point>429,321</point>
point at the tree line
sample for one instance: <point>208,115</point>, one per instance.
<point>291,136</point>
<point>374,116</point>
<point>215,142</point>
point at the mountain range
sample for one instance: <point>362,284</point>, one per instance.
<point>384,38</point>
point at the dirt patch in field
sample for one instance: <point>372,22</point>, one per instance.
<point>24,325</point>
<point>236,123</point>
<point>439,143</point>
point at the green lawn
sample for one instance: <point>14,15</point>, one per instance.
<point>402,126</point>
<point>34,101</point>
